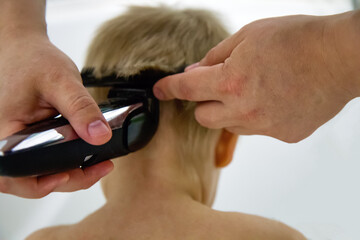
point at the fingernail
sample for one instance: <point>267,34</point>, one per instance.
<point>98,128</point>
<point>158,93</point>
<point>192,66</point>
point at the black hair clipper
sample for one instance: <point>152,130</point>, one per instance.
<point>52,145</point>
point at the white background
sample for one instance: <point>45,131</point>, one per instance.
<point>312,185</point>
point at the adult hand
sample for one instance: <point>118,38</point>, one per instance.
<point>37,81</point>
<point>282,77</point>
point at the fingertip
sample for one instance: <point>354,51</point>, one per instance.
<point>158,93</point>
<point>105,168</point>
<point>100,169</point>
<point>99,132</point>
<point>192,66</point>
<point>162,89</point>
<point>210,114</point>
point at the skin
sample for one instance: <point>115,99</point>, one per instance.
<point>150,196</point>
<point>38,80</point>
<point>282,77</point>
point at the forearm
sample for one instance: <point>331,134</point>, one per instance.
<point>356,20</point>
<point>343,43</point>
<point>353,49</point>
<point>19,17</point>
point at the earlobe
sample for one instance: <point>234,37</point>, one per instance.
<point>225,148</point>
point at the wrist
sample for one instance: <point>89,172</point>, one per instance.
<point>353,49</point>
<point>21,17</point>
<point>343,42</point>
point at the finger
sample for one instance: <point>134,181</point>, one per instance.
<point>14,124</point>
<point>192,66</point>
<point>212,115</point>
<point>32,187</point>
<point>199,84</point>
<point>239,130</point>
<point>220,52</point>
<point>73,101</point>
<point>85,178</point>
<point>11,127</point>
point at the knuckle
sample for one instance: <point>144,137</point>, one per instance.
<point>184,90</point>
<point>284,133</point>
<point>41,194</point>
<point>38,191</point>
<point>86,184</point>
<point>80,103</point>
<point>57,77</point>
<point>246,28</point>
<point>231,84</point>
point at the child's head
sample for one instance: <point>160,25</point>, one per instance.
<point>164,39</point>
<point>154,37</point>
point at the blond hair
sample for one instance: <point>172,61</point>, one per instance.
<point>163,39</point>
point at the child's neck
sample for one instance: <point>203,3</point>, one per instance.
<point>142,181</point>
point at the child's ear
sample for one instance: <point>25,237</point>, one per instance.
<point>225,148</point>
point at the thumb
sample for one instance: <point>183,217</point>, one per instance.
<point>74,102</point>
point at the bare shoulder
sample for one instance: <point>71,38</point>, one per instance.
<point>51,233</point>
<point>246,226</point>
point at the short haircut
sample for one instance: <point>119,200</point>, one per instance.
<point>163,39</point>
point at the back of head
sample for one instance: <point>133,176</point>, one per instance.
<point>163,39</point>
<point>153,37</point>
